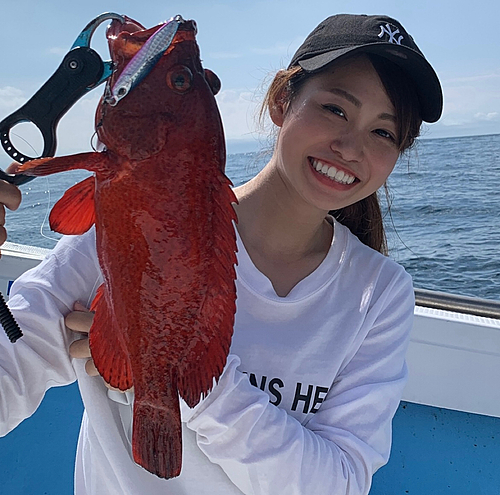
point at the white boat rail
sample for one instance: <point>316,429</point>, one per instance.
<point>28,256</point>
<point>13,249</point>
<point>486,308</point>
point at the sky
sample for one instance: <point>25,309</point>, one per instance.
<point>245,42</point>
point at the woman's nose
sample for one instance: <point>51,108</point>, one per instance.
<point>349,146</point>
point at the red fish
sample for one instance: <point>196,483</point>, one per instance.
<point>163,214</point>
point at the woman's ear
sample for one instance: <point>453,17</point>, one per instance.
<point>278,109</point>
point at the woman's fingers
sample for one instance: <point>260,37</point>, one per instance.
<point>80,349</point>
<point>91,369</point>
<point>3,232</point>
<point>10,195</point>
<point>79,320</point>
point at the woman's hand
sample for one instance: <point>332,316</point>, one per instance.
<point>80,321</point>
<point>10,197</point>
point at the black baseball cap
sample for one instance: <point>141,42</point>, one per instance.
<point>343,34</point>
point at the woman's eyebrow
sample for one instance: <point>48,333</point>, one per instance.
<point>387,116</point>
<point>346,95</point>
<point>349,97</point>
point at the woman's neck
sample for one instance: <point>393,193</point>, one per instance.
<point>285,239</point>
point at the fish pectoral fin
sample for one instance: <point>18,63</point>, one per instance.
<point>107,347</point>
<point>74,213</point>
<point>53,165</point>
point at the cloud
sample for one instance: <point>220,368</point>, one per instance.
<point>238,109</point>
<point>478,78</point>
<point>472,102</point>
<point>76,128</point>
<point>10,99</point>
<point>25,137</point>
<point>491,116</point>
<point>56,50</point>
<point>279,48</point>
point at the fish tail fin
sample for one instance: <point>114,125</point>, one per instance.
<point>157,433</point>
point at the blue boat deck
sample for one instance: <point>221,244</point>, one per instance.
<point>435,451</point>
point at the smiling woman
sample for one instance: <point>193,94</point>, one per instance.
<point>345,122</point>
<point>316,365</point>
<point>401,125</point>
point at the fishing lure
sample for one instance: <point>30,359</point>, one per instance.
<point>143,61</point>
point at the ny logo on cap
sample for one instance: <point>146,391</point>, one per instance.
<point>392,34</point>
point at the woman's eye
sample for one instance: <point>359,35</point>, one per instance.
<point>336,110</point>
<point>385,134</point>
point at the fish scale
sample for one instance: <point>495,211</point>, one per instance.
<point>162,208</point>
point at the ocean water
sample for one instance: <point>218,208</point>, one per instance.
<point>443,224</point>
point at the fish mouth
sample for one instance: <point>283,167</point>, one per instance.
<point>334,173</point>
<point>129,26</point>
<point>136,35</point>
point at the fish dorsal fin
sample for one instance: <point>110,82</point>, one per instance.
<point>215,320</point>
<point>74,213</point>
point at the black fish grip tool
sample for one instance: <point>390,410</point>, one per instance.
<point>81,70</point>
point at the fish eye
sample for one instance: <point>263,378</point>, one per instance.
<point>179,78</point>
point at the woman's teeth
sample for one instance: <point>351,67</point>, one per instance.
<point>332,173</point>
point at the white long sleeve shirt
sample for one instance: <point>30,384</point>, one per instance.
<point>304,405</point>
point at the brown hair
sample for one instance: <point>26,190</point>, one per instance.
<point>363,218</point>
